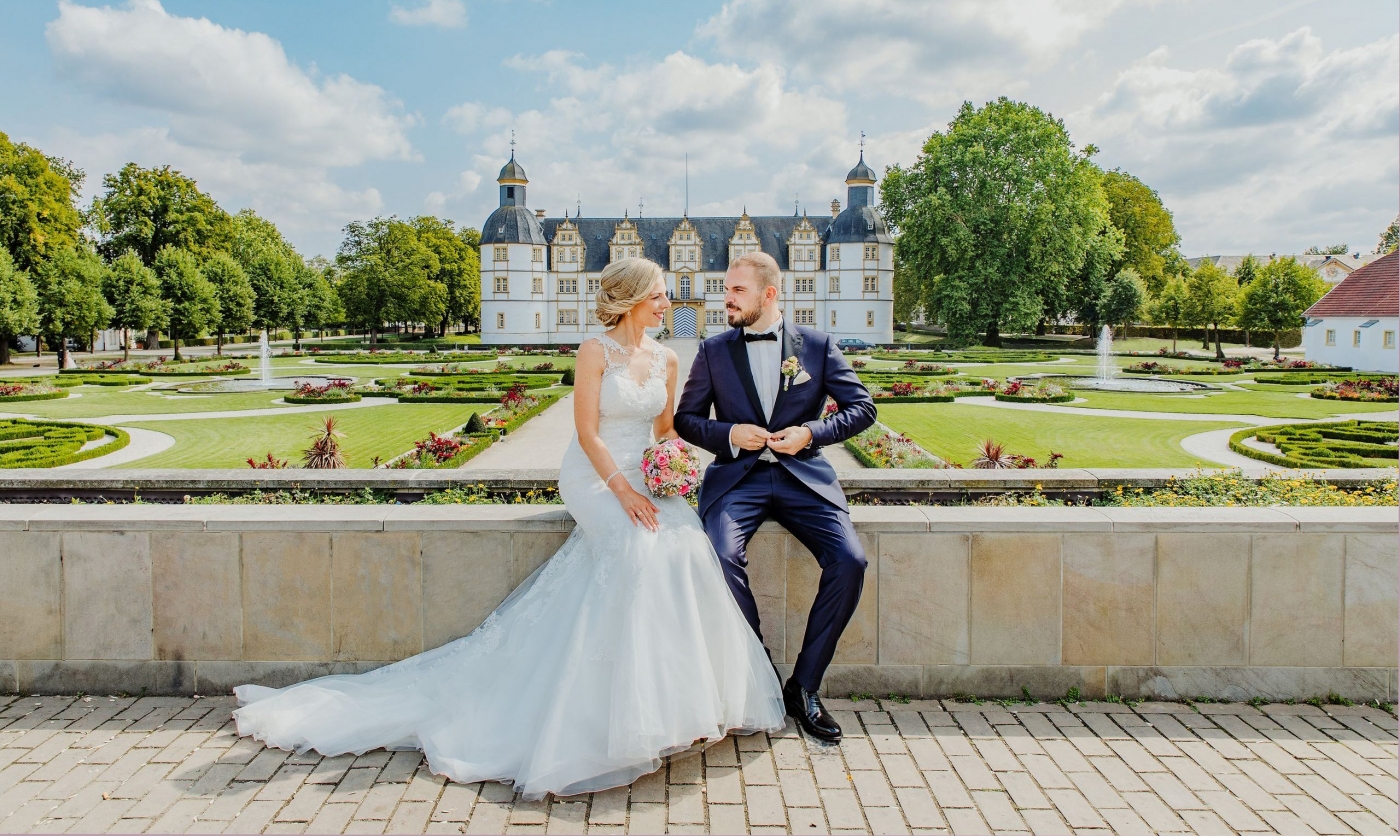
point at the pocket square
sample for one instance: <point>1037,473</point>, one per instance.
<point>802,377</point>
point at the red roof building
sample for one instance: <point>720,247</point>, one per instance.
<point>1370,291</point>
<point>1356,323</point>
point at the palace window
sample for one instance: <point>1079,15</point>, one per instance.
<point>833,319</point>
<point>1331,337</point>
<point>538,255</point>
<point>871,284</point>
<point>684,283</point>
<point>803,285</point>
<point>501,319</point>
<point>592,317</point>
<point>872,252</point>
<point>537,321</point>
<point>804,316</point>
<point>1389,339</point>
<point>503,284</point>
<point>500,253</point>
<point>714,317</point>
<point>833,285</point>
<point>537,284</point>
<point>568,285</point>
<point>1355,339</point>
<point>835,252</point>
<point>869,319</point>
<point>594,284</point>
<point>713,285</point>
<point>568,317</point>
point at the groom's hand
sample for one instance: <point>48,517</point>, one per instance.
<point>789,441</point>
<point>748,436</point>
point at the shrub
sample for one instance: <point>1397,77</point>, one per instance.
<point>475,424</point>
<point>1229,488</point>
<point>878,447</point>
<point>1326,445</point>
<point>26,443</point>
<point>269,463</point>
<point>568,377</point>
<point>324,452</point>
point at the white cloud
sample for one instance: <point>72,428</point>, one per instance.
<point>226,89</point>
<point>616,136</point>
<point>448,14</point>
<point>1283,141</point>
<point>936,52</point>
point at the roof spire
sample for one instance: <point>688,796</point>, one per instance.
<point>512,143</point>
<point>862,146</point>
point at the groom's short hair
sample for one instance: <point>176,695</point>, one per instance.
<point>764,268</point>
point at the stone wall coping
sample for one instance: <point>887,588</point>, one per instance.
<point>523,517</point>
<point>118,481</point>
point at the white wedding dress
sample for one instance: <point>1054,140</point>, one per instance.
<point>624,647</point>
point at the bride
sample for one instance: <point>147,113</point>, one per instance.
<point>626,646</point>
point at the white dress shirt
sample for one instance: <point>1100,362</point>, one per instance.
<point>765,363</point>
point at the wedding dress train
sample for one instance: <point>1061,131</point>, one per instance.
<point>626,646</point>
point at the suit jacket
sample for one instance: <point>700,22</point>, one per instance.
<point>720,378</point>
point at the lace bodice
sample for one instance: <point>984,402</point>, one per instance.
<point>626,407</point>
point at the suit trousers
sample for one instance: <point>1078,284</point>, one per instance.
<point>769,491</point>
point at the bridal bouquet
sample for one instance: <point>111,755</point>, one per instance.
<point>671,469</point>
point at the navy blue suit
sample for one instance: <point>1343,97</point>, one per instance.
<point>800,491</point>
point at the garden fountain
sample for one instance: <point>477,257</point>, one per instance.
<point>1106,378</point>
<point>265,379</point>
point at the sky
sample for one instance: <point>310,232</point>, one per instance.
<point>1265,126</point>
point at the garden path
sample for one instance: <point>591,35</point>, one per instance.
<point>143,443</point>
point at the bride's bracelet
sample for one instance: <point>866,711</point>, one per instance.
<point>608,480</point>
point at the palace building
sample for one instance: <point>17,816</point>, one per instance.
<point>539,275</point>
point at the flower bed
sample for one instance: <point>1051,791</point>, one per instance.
<point>443,451</point>
<point>29,390</point>
<point>1230,488</point>
<point>1153,367</point>
<point>1016,391</point>
<point>517,407</point>
<point>881,448</point>
<point>99,379</point>
<point>1383,390</point>
<point>53,443</point>
<point>162,367</point>
<point>1316,378</point>
<point>337,391</point>
<point>1333,444</point>
<point>969,355</point>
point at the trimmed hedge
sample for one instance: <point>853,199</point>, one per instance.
<point>53,443</point>
<point>970,393</point>
<point>468,398</point>
<point>37,396</point>
<point>1323,394</point>
<point>1205,370</point>
<point>1325,445</point>
<point>1065,398</point>
<point>1315,378</point>
<point>991,355</point>
<point>546,401</point>
<point>350,398</point>
<point>180,373</point>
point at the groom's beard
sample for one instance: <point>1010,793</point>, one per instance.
<point>741,318</point>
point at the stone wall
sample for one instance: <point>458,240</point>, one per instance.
<point>1153,602</point>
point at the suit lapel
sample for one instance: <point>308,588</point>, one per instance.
<point>792,347</point>
<point>739,354</point>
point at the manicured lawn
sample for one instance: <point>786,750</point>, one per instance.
<point>108,400</point>
<point>953,431</point>
<point>1257,402</point>
<point>383,431</point>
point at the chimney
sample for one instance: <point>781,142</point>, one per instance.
<point>539,213</point>
<point>835,207</point>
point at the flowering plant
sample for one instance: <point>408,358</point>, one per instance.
<point>790,369</point>
<point>671,468</point>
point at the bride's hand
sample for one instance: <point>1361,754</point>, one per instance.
<point>638,508</point>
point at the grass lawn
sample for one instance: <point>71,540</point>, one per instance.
<point>383,431</point>
<point>1257,402</point>
<point>953,431</point>
<point>109,400</point>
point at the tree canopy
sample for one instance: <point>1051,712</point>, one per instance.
<point>71,305</point>
<point>19,305</point>
<point>1210,294</point>
<point>1276,299</point>
<point>1390,238</point>
<point>233,294</point>
<point>192,302</point>
<point>1149,235</point>
<point>385,266</point>
<point>995,217</point>
<point>134,294</point>
<point>38,217</point>
<point>148,209</point>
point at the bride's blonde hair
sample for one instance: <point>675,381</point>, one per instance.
<point>624,284</point>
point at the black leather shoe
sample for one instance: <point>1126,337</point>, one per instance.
<point>807,709</point>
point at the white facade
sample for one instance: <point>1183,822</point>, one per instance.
<point>539,275</point>
<point>1363,343</point>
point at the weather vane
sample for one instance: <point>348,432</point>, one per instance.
<point>512,141</point>
<point>862,142</point>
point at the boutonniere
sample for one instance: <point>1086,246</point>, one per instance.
<point>793,373</point>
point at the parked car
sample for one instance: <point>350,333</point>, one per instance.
<point>853,344</point>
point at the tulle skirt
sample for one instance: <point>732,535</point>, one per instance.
<point>623,648</point>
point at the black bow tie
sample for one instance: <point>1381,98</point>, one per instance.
<point>753,338</point>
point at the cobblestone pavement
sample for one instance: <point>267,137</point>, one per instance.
<point>174,765</point>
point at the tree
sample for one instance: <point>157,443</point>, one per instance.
<point>19,305</point>
<point>148,209</point>
<point>468,303</point>
<point>1330,249</point>
<point>1171,306</point>
<point>193,305</point>
<point>1275,301</point>
<point>1211,300</point>
<point>1085,292</point>
<point>133,292</point>
<point>1390,238</point>
<point>995,217</point>
<point>1246,270</point>
<point>458,272</point>
<point>69,288</point>
<point>908,301</point>
<point>233,293</point>
<point>1123,298</point>
<point>384,265</point>
<point>37,214</point>
<point>1149,235</point>
<point>274,278</point>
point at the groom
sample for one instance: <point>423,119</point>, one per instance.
<point>768,381</point>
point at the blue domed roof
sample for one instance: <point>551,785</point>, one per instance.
<point>861,171</point>
<point>858,224</point>
<point>512,225</point>
<point>512,170</point>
